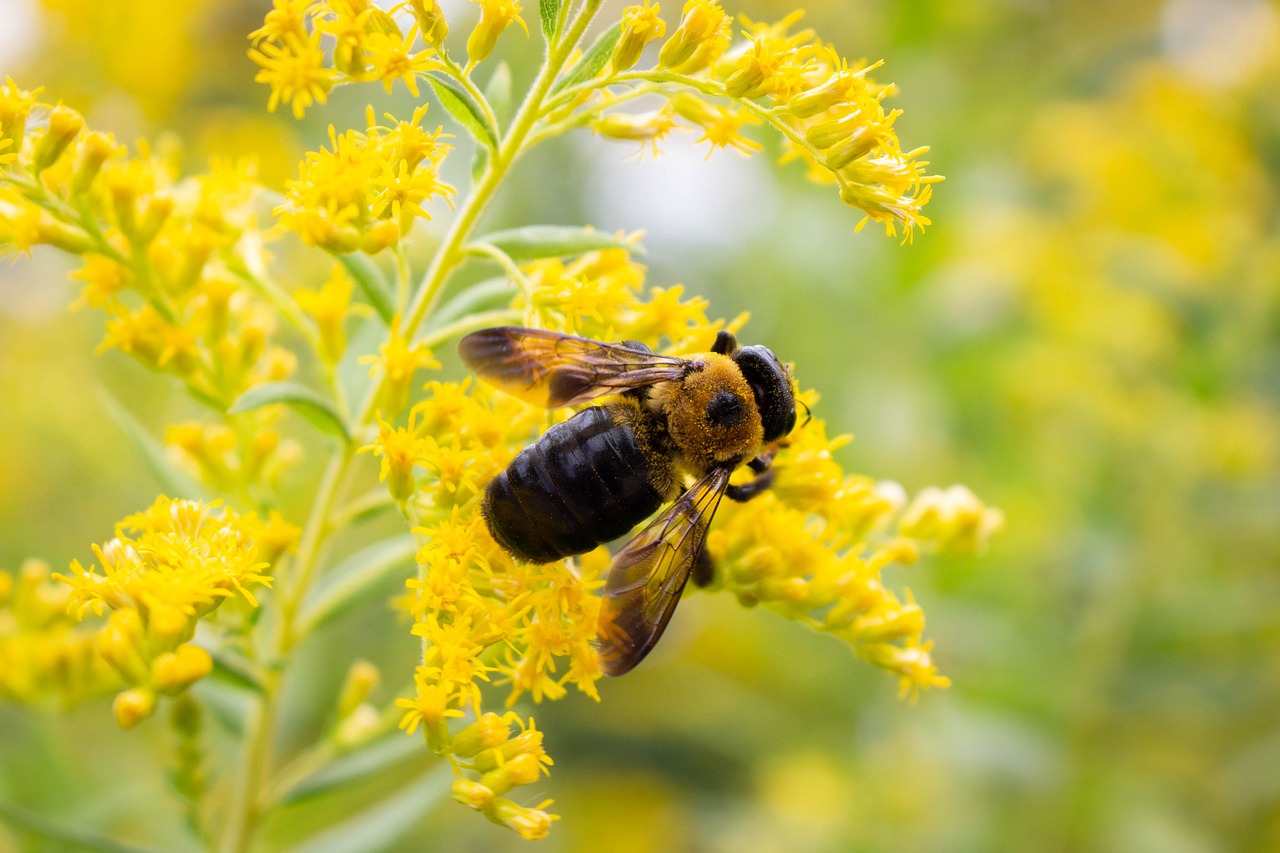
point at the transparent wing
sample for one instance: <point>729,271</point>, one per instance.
<point>552,370</point>
<point>649,574</point>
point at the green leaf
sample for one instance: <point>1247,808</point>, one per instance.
<point>307,402</point>
<point>481,296</point>
<point>554,241</point>
<point>385,823</point>
<point>353,766</point>
<point>68,836</point>
<point>372,283</point>
<point>175,482</point>
<point>464,109</point>
<point>593,61</point>
<point>498,90</point>
<point>230,706</point>
<point>233,669</point>
<point>550,10</point>
<point>356,580</point>
<point>479,159</point>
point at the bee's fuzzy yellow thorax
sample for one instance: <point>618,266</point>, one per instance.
<point>702,442</point>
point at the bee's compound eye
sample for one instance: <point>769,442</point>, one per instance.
<point>725,409</point>
<point>772,388</point>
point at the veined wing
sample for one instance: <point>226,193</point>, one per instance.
<point>649,574</point>
<point>552,370</point>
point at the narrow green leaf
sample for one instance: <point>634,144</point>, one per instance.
<point>175,482</point>
<point>498,90</point>
<point>481,296</point>
<point>229,705</point>
<point>479,159</point>
<point>356,579</point>
<point>550,10</point>
<point>554,241</point>
<point>593,61</point>
<point>353,766</point>
<point>459,104</point>
<point>68,837</point>
<point>372,283</point>
<point>380,826</point>
<point>307,402</point>
<point>233,669</point>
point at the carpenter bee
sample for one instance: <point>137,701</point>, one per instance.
<point>591,479</point>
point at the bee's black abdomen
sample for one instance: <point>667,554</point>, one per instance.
<point>584,482</point>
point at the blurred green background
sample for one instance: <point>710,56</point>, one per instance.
<point>1088,337</point>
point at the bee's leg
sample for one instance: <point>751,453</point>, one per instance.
<point>725,343</point>
<point>762,480</point>
<point>751,488</point>
<point>704,570</point>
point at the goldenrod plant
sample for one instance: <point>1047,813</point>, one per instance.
<point>218,581</point>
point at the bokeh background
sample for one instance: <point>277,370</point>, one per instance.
<point>1088,336</point>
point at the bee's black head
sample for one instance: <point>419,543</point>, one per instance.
<point>771,385</point>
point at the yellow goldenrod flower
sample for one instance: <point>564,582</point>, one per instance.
<point>15,106</point>
<point>64,125</point>
<point>391,58</point>
<point>432,25</point>
<point>329,307</point>
<point>295,70</point>
<point>495,16</point>
<point>640,25</point>
<point>383,172</point>
<point>45,656</point>
<point>700,38</point>
<point>396,362</point>
<point>401,448</point>
<point>181,562</point>
<point>954,518</point>
<point>646,128</point>
<point>286,19</point>
<point>721,126</point>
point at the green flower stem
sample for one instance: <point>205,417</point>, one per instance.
<point>470,323</point>
<point>449,254</point>
<point>275,295</point>
<point>509,266</point>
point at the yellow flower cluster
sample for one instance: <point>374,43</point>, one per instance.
<point>233,459</point>
<point>814,545</point>
<point>812,548</point>
<point>167,568</point>
<point>173,263</point>
<point>44,653</point>
<point>300,38</point>
<point>365,191</point>
<point>830,114</point>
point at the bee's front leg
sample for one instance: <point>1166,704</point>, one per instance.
<point>757,484</point>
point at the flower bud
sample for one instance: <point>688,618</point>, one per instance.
<point>703,24</point>
<point>489,731</point>
<point>431,23</point>
<point>95,148</point>
<point>174,671</point>
<point>133,706</point>
<point>640,25</point>
<point>362,678</point>
<point>495,17</point>
<point>531,824</point>
<point>472,794</point>
<point>520,770</point>
<point>64,125</point>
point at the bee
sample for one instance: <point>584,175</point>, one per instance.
<point>674,432</point>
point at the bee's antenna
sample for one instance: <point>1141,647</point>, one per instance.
<point>808,415</point>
